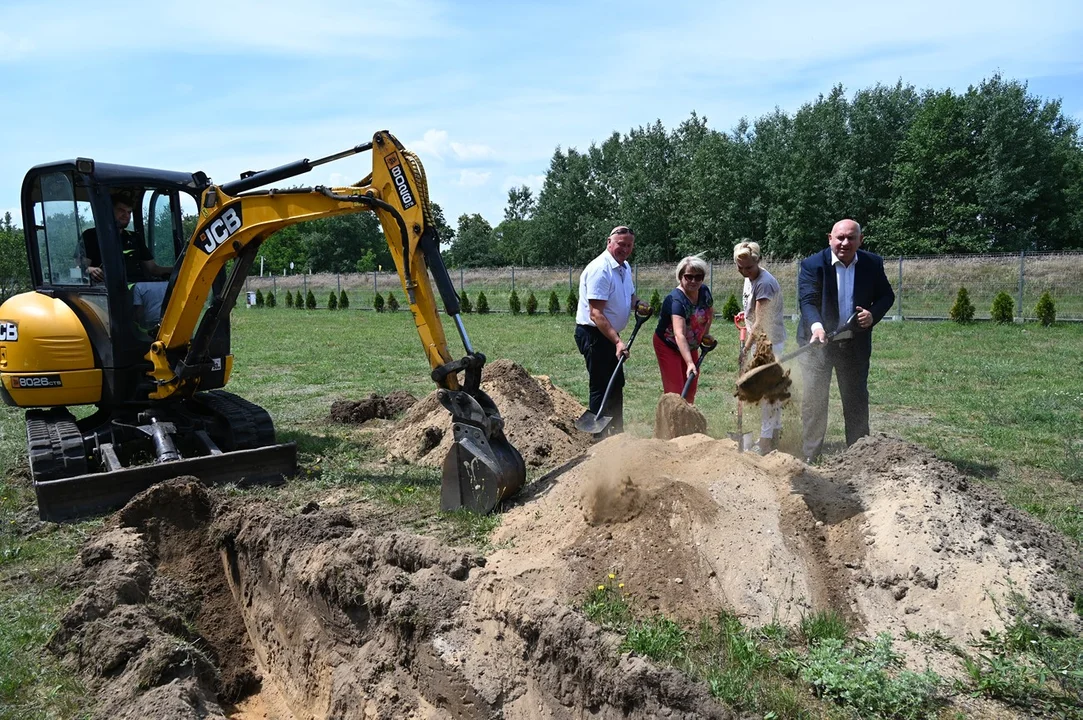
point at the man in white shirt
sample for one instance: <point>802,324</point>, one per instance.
<point>833,284</point>
<point>606,299</point>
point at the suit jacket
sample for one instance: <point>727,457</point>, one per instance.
<point>818,295</point>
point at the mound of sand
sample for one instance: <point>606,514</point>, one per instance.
<point>539,420</point>
<point>193,603</point>
<point>888,536</point>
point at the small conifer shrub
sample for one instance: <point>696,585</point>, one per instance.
<point>963,310</point>
<point>1003,310</point>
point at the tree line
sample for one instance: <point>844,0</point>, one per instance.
<point>992,169</point>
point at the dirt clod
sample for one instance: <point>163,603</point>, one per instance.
<point>374,406</point>
<point>674,417</point>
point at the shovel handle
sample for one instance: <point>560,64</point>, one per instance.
<point>706,345</point>
<point>641,317</point>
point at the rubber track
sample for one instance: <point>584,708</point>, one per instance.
<point>54,445</point>
<point>250,425</point>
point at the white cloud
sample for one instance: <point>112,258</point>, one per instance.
<point>473,178</point>
<point>471,151</point>
<point>436,143</point>
<point>313,28</point>
<point>534,182</point>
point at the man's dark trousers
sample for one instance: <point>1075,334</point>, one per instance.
<point>850,361</point>
<point>601,357</point>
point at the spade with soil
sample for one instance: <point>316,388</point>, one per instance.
<point>767,380</point>
<point>594,423</point>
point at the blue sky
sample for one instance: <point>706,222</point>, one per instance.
<point>483,91</point>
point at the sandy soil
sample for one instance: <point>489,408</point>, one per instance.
<point>201,606</point>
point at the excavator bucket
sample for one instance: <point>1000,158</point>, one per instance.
<point>482,469</point>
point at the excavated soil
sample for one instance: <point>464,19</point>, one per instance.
<point>374,406</point>
<point>192,603</point>
<point>674,417</point>
<point>763,378</point>
<point>539,420</point>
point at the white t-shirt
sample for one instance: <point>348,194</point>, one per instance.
<point>606,279</point>
<point>765,287</point>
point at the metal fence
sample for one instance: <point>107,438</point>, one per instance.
<point>925,287</point>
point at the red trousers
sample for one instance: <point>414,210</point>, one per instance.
<point>671,364</point>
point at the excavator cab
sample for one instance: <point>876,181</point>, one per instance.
<point>135,274</point>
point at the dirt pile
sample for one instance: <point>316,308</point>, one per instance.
<point>888,535</point>
<point>539,420</point>
<point>374,406</point>
<point>192,604</point>
<point>674,417</point>
<point>155,631</point>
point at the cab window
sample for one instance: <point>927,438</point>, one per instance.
<point>61,215</point>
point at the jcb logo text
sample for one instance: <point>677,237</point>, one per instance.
<point>219,230</point>
<point>9,331</point>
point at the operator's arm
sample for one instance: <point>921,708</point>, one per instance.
<point>597,316</point>
<point>153,269</point>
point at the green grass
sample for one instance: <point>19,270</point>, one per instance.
<point>1001,402</point>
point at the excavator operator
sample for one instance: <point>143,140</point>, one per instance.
<point>139,264</point>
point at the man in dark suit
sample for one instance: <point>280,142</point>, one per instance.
<point>836,282</point>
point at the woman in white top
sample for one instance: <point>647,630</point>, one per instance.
<point>763,313</point>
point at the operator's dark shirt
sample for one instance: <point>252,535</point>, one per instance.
<point>132,245</point>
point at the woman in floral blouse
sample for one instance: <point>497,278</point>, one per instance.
<point>684,319</point>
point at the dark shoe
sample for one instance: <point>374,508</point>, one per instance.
<point>766,445</point>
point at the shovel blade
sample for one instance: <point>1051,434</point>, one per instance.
<point>764,381</point>
<point>588,422</point>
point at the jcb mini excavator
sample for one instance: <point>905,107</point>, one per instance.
<point>81,338</point>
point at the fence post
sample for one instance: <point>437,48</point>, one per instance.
<point>710,283</point>
<point>569,278</point>
<point>338,283</point>
<point>898,295</point>
<point>274,286</point>
<point>304,280</point>
<point>1022,276</point>
<point>462,285</point>
<point>513,278</point>
<point>635,271</point>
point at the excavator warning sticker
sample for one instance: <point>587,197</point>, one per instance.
<point>36,381</point>
<point>398,176</point>
<point>9,331</point>
<point>220,229</point>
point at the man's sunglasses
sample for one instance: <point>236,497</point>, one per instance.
<point>621,231</point>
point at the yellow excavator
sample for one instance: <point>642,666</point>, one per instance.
<point>91,332</point>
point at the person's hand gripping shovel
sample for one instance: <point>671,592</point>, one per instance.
<point>706,345</point>
<point>594,423</point>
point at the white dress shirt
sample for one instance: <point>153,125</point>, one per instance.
<point>844,282</point>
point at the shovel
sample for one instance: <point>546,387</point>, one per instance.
<point>757,382</point>
<point>594,423</point>
<point>706,345</point>
<point>742,328</point>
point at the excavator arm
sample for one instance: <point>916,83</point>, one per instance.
<point>482,468</point>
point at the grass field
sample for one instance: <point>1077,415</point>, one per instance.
<point>1001,402</point>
